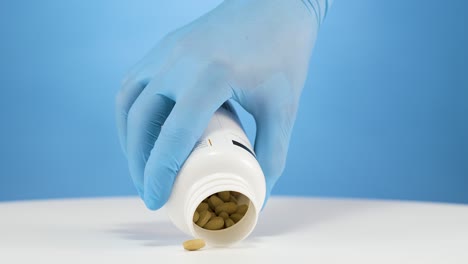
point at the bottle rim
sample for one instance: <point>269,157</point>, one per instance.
<point>212,184</point>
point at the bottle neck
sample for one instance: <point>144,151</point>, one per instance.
<point>212,184</point>
<point>217,183</point>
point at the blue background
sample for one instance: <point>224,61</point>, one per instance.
<point>383,113</point>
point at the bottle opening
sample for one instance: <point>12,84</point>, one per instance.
<point>224,218</point>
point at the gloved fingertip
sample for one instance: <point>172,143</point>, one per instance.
<point>267,196</point>
<point>270,183</point>
<point>152,204</point>
<point>140,193</point>
<point>155,200</point>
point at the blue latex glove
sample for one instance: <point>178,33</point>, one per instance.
<point>255,52</point>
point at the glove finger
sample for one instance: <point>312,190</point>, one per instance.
<point>125,98</point>
<point>136,81</point>
<point>184,126</point>
<point>145,119</point>
<point>274,127</point>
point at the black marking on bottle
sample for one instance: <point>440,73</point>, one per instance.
<point>236,143</point>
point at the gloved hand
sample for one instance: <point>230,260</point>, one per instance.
<point>254,52</point>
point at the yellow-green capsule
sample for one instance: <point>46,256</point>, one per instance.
<point>194,244</point>
<point>196,216</point>
<point>202,207</point>
<point>228,223</point>
<point>204,218</point>
<point>233,199</point>
<point>225,196</point>
<point>242,209</point>
<point>228,207</point>
<point>224,215</point>
<point>236,217</point>
<point>215,223</point>
<point>214,201</point>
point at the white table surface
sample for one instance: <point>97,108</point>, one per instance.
<point>294,230</point>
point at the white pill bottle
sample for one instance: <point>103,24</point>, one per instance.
<point>222,160</point>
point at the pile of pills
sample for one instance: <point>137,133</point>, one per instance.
<point>220,210</point>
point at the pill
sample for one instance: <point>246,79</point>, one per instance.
<point>202,207</point>
<point>236,217</point>
<point>204,218</point>
<point>233,199</point>
<point>225,196</point>
<point>242,209</point>
<point>194,244</point>
<point>228,207</point>
<point>215,223</point>
<point>224,215</point>
<point>214,201</point>
<point>220,210</point>
<point>196,216</point>
<point>228,222</point>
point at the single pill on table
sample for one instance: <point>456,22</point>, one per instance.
<point>202,207</point>
<point>228,207</point>
<point>204,218</point>
<point>196,216</point>
<point>214,201</point>
<point>228,222</point>
<point>236,217</point>
<point>225,196</point>
<point>215,223</point>
<point>242,209</point>
<point>194,244</point>
<point>224,215</point>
